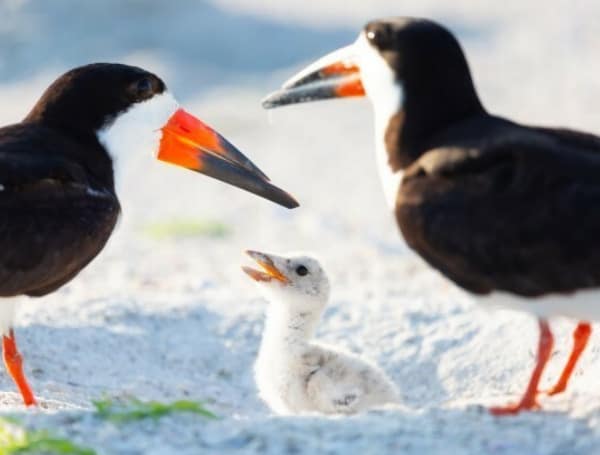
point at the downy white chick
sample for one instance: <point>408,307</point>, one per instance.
<point>294,373</point>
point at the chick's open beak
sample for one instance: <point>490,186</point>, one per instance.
<point>269,270</point>
<point>337,75</point>
<point>188,142</point>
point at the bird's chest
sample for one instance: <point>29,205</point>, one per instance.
<point>282,379</point>
<point>390,179</point>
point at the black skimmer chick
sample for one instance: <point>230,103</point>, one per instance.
<point>57,190</point>
<point>506,211</point>
<point>294,373</point>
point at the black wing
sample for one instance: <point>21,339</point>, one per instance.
<point>52,222</point>
<point>572,139</point>
<point>520,215</point>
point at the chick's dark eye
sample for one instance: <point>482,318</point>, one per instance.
<point>144,88</point>
<point>301,270</point>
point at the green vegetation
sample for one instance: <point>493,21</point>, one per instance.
<point>186,228</point>
<point>14,439</point>
<point>135,409</point>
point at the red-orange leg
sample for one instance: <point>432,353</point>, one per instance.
<point>14,365</point>
<point>529,400</point>
<point>581,335</point>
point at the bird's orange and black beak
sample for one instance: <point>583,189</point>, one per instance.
<point>269,265</point>
<point>337,75</point>
<point>188,142</point>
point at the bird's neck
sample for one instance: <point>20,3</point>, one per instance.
<point>431,103</point>
<point>285,329</point>
<point>411,132</point>
<point>97,162</point>
<point>390,174</point>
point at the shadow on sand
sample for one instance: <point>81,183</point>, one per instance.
<point>182,354</point>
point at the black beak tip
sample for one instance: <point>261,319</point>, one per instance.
<point>290,202</point>
<point>270,100</point>
<point>277,195</point>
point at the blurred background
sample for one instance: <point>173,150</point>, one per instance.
<point>165,311</point>
<point>531,61</point>
<point>534,61</point>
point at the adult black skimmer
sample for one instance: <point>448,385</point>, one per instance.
<point>506,211</point>
<point>57,191</point>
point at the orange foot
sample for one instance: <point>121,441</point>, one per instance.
<point>14,365</point>
<point>529,400</point>
<point>512,409</point>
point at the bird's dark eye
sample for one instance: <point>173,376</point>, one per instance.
<point>381,36</point>
<point>301,270</point>
<point>144,88</point>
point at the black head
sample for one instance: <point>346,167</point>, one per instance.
<point>432,73</point>
<point>426,59</point>
<point>113,110</point>
<point>408,43</point>
<point>87,98</point>
<point>414,72</point>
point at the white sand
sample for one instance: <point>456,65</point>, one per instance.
<point>176,319</point>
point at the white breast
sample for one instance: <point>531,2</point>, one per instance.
<point>386,95</point>
<point>137,130</point>
<point>390,181</point>
<point>7,313</point>
<point>582,306</point>
<point>280,377</point>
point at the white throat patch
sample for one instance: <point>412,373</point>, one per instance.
<point>138,129</point>
<point>386,95</point>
